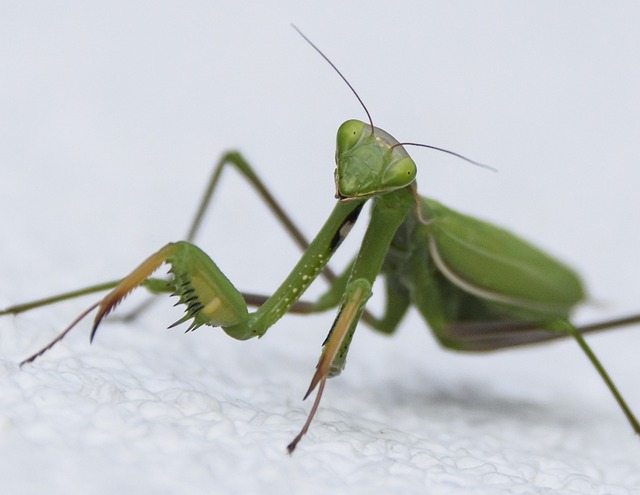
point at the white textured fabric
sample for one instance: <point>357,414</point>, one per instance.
<point>111,118</point>
<point>147,412</point>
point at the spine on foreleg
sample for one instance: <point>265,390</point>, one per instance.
<point>210,298</point>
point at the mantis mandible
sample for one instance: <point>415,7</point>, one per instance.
<point>477,286</point>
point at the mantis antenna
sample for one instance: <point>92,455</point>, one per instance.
<point>337,72</point>
<point>364,107</point>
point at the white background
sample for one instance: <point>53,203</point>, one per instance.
<point>111,115</point>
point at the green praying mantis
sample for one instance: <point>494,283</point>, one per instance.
<point>477,286</point>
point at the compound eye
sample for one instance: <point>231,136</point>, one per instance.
<point>349,134</point>
<point>399,174</point>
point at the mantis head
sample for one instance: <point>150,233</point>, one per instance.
<point>369,161</point>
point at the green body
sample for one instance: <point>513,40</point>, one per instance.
<point>457,269</point>
<point>477,286</point>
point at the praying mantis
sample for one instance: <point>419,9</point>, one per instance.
<point>477,286</point>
